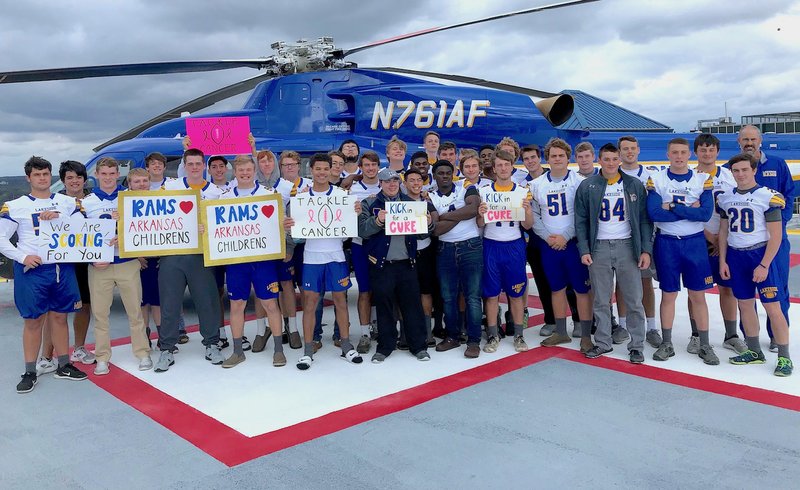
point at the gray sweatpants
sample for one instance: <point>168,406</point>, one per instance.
<point>610,258</point>
<point>175,272</point>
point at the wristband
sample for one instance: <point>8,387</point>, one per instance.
<point>764,266</point>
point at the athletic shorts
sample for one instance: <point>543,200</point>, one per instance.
<point>713,262</point>
<point>333,277</point>
<point>742,263</point>
<point>685,257</point>
<point>286,270</point>
<point>563,268</point>
<point>261,276</point>
<point>219,275</point>
<point>48,287</point>
<point>82,276</point>
<point>360,267</point>
<point>504,268</point>
<point>426,270</point>
<point>149,278</point>
<point>295,266</point>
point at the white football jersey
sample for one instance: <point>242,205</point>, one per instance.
<point>360,191</point>
<point>208,191</point>
<point>613,222</point>
<point>99,205</point>
<point>480,184</point>
<point>556,204</point>
<point>640,173</point>
<point>21,216</point>
<point>443,203</point>
<point>503,231</point>
<point>723,182</point>
<point>156,186</point>
<point>288,189</point>
<point>745,212</point>
<point>687,191</point>
<point>519,176</point>
<point>258,190</point>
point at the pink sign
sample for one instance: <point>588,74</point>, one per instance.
<point>220,135</point>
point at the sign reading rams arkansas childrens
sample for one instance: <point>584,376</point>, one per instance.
<point>245,229</point>
<point>155,224</point>
<point>323,216</point>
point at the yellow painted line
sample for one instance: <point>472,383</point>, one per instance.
<point>793,232</point>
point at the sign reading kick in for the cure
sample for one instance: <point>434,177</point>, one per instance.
<point>406,218</point>
<point>154,224</point>
<point>220,135</point>
<point>68,240</point>
<point>245,229</point>
<point>503,206</point>
<point>325,216</point>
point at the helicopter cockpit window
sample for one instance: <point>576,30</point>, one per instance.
<point>172,166</point>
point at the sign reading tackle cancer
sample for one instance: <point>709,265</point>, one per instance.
<point>324,216</point>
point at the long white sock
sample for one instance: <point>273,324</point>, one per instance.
<point>365,330</point>
<point>293,324</point>
<point>651,324</point>
<point>261,324</point>
<point>623,322</point>
<point>222,334</point>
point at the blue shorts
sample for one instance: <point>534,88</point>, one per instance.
<point>686,256</point>
<point>333,277</point>
<point>713,261</point>
<point>49,287</point>
<point>563,268</point>
<point>360,267</point>
<point>261,276</point>
<point>504,268</point>
<point>742,263</point>
<point>285,270</point>
<point>150,283</point>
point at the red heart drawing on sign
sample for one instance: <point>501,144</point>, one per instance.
<point>268,210</point>
<point>186,206</point>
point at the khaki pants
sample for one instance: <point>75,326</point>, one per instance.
<point>125,276</point>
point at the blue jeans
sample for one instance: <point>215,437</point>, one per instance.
<point>460,267</point>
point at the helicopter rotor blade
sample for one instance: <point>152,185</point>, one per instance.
<point>122,70</point>
<point>553,6</point>
<point>557,108</point>
<point>191,106</point>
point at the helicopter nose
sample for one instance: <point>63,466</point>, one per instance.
<point>557,109</point>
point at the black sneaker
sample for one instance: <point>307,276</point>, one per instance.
<point>183,338</point>
<point>636,357</point>
<point>223,343</point>
<point>70,372</point>
<point>246,344</point>
<point>596,351</point>
<point>27,383</point>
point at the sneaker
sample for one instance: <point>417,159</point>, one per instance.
<point>619,335</point>
<point>463,338</point>
<point>773,347</point>
<point>664,351</point>
<point>317,345</point>
<point>304,363</point>
<point>45,366</point>
<point>27,383</point>
<point>547,330</point>
<point>784,367</point>
<point>260,342</point>
<point>439,333</point>
<point>423,356</point>
<point>402,345</point>
<point>373,331</point>
<point>636,356</point>
<point>364,343</point>
<point>294,340</point>
<point>586,344</point>
<point>352,357</point>
<point>337,341</point>
<point>145,364</point>
<point>473,351</point>
<point>214,355</point>
<point>576,330</point>
<point>653,337</point>
<point>708,355</point>
<point>556,339</point>
<point>378,358</point>
<point>233,360</point>
<point>519,344</point>
<point>748,357</point>
<point>80,354</point>
<point>735,344</point>
<point>431,342</point>
<point>278,359</point>
<point>245,344</point>
<point>101,369</point>
<point>693,347</point>
<point>596,352</point>
<point>447,344</point>
<point>223,343</point>
<point>70,372</point>
<point>183,338</point>
<point>165,360</point>
<point>492,344</point>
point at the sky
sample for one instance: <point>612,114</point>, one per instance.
<point>675,61</point>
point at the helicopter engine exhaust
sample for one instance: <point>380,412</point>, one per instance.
<point>557,109</point>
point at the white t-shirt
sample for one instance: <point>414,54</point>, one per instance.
<point>324,250</point>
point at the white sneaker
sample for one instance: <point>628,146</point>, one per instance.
<point>145,364</point>
<point>80,354</point>
<point>101,368</point>
<point>45,365</point>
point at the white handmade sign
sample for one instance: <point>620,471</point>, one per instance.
<point>503,206</point>
<point>154,224</point>
<point>324,216</point>
<point>406,218</point>
<point>246,229</point>
<point>66,240</point>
